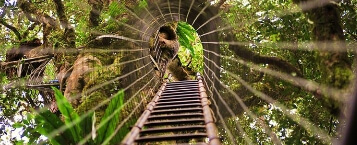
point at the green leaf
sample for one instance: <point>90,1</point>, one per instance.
<point>69,115</point>
<point>186,36</point>
<point>26,122</point>
<point>2,3</point>
<point>21,142</point>
<point>115,9</point>
<point>43,131</point>
<point>110,124</point>
<point>47,123</point>
<point>17,125</point>
<point>86,124</point>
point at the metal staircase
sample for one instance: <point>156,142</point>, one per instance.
<point>178,114</point>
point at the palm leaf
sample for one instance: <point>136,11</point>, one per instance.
<point>86,125</point>
<point>110,124</point>
<point>69,114</point>
<point>48,122</point>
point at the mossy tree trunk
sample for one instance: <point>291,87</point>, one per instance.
<point>335,67</point>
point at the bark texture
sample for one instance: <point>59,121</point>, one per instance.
<point>335,66</point>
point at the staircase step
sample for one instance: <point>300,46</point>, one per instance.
<point>180,95</point>
<point>182,86</point>
<point>171,137</point>
<point>179,99</point>
<point>195,85</point>
<point>182,82</point>
<point>176,102</point>
<point>180,90</point>
<point>178,106</point>
<point>173,122</point>
<point>172,129</point>
<point>168,111</point>
<point>175,116</point>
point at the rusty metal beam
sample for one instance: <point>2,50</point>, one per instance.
<point>211,129</point>
<point>134,133</point>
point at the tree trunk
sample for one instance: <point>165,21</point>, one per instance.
<point>335,67</point>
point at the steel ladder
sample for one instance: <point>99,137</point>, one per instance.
<point>178,114</point>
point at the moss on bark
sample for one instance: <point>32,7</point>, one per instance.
<point>335,67</point>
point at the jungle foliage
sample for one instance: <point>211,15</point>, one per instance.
<point>265,28</point>
<point>266,31</point>
<point>47,124</point>
<point>191,50</point>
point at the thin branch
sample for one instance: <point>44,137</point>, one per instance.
<point>43,85</point>
<point>331,124</point>
<point>249,55</point>
<point>4,88</point>
<point>48,22</point>
<point>12,28</point>
<point>28,8</point>
<point>30,28</point>
<point>189,62</point>
<point>94,15</point>
<point>69,33</point>
<point>61,14</point>
<point>30,18</point>
<point>30,100</point>
<point>246,54</point>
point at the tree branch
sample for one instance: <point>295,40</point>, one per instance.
<point>61,14</point>
<point>29,8</point>
<point>94,15</point>
<point>335,67</point>
<point>190,61</point>
<point>279,63</point>
<point>12,28</point>
<point>69,34</point>
<point>331,124</point>
<point>31,27</point>
<point>246,54</point>
<point>30,18</point>
<point>30,100</point>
